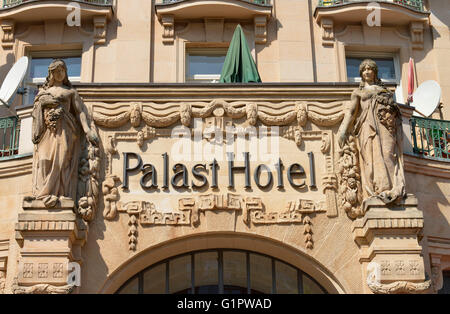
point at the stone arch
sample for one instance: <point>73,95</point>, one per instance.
<point>222,240</point>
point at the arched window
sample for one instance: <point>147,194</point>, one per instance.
<point>221,271</point>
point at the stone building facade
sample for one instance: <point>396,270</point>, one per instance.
<point>163,207</point>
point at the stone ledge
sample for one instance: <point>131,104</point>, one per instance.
<point>426,166</point>
<point>62,204</point>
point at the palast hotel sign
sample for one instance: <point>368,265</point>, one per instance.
<point>181,159</point>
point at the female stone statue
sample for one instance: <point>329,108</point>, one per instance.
<point>59,120</point>
<point>374,119</point>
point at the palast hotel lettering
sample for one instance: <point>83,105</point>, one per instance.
<point>178,176</point>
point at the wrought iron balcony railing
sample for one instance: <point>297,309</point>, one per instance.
<point>431,138</point>
<point>412,4</point>
<point>10,3</point>
<point>261,2</point>
<point>9,136</point>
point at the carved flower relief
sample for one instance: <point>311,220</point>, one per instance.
<point>414,267</point>
<point>385,268</point>
<point>400,267</point>
<point>42,270</point>
<point>57,270</point>
<point>28,270</point>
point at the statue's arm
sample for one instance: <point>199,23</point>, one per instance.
<point>349,115</point>
<point>80,107</point>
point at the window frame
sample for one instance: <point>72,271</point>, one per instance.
<point>373,55</point>
<point>53,54</point>
<point>196,50</point>
<point>194,288</point>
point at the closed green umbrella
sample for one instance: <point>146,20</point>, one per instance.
<point>239,65</point>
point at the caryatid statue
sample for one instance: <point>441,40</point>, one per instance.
<point>374,119</point>
<point>60,119</point>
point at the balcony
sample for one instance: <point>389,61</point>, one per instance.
<point>260,2</point>
<point>10,3</point>
<point>199,9</point>
<point>411,4</point>
<point>38,10</point>
<point>214,13</point>
<point>431,138</point>
<point>393,12</point>
<point>9,137</point>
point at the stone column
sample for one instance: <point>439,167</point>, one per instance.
<point>407,112</point>
<point>49,241</point>
<point>26,122</point>
<point>388,238</point>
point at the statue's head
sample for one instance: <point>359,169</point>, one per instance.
<point>57,72</point>
<point>368,67</point>
<point>368,71</point>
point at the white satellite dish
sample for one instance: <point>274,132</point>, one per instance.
<point>426,98</point>
<point>13,80</point>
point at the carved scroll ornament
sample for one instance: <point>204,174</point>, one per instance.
<point>397,287</point>
<point>189,209</point>
<point>41,289</point>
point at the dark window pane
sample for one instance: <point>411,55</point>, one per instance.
<point>386,68</point>
<point>234,269</point>
<point>261,273</point>
<point>180,274</point>
<point>286,278</point>
<point>206,269</point>
<point>206,64</point>
<point>39,66</point>
<point>446,283</point>
<point>130,288</point>
<point>310,287</point>
<point>155,280</point>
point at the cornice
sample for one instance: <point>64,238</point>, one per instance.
<point>428,167</point>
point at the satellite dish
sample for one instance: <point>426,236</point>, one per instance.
<point>13,80</point>
<point>426,98</point>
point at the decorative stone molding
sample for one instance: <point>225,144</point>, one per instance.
<point>349,195</point>
<point>116,116</point>
<point>416,29</point>
<point>41,289</point>
<point>327,26</point>
<point>110,196</point>
<point>189,209</point>
<point>439,251</point>
<point>49,241</point>
<point>4,250</point>
<point>16,167</point>
<point>260,29</point>
<point>397,287</point>
<point>8,27</point>
<point>100,27</point>
<point>209,11</point>
<point>388,238</point>
<point>168,23</point>
<point>88,181</point>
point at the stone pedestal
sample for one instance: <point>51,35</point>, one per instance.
<point>388,238</point>
<point>50,239</point>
